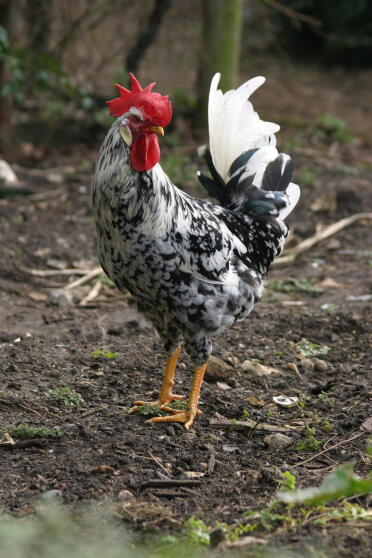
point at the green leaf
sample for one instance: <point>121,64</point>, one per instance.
<point>309,349</point>
<point>342,483</point>
<point>102,353</point>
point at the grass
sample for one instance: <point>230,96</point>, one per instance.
<point>65,395</point>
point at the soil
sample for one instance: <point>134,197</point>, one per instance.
<point>47,341</point>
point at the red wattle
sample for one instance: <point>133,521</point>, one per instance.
<point>145,152</point>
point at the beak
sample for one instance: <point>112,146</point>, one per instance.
<point>157,130</point>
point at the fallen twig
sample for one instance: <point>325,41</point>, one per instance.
<point>93,293</point>
<point>52,272</point>
<point>166,483</point>
<point>250,424</point>
<point>330,448</point>
<point>319,236</point>
<point>88,277</point>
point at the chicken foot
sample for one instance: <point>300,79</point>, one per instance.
<point>165,395</point>
<point>186,417</point>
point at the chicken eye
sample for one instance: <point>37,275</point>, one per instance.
<point>136,119</point>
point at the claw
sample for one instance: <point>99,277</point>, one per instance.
<point>161,404</point>
<point>184,417</point>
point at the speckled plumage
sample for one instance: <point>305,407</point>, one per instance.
<point>194,267</point>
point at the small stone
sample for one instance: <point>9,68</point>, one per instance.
<point>53,494</point>
<point>217,369</point>
<point>61,298</point>
<point>257,368</point>
<point>307,365</point>
<point>278,441</point>
<point>367,424</point>
<point>320,365</point>
<point>222,386</point>
<point>125,495</point>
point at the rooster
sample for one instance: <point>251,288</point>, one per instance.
<point>194,267</point>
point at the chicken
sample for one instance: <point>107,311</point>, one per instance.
<point>194,267</point>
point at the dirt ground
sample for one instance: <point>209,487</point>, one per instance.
<point>47,341</point>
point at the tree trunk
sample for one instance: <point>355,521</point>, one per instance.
<point>147,36</point>
<point>222,24</point>
<point>5,101</point>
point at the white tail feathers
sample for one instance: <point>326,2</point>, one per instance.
<point>234,127</point>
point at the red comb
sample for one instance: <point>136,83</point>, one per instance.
<point>156,109</point>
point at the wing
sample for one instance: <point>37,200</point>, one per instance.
<point>204,242</point>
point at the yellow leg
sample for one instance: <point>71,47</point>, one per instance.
<point>165,395</point>
<point>187,417</point>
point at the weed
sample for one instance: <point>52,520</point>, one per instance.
<point>310,442</point>
<point>288,481</point>
<point>291,284</point>
<point>102,353</point>
<point>309,349</point>
<point>27,432</point>
<point>326,426</point>
<point>65,395</point>
<point>329,128</point>
<point>245,414</point>
<point>342,483</point>
<point>196,531</point>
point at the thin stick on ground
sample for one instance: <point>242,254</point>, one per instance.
<point>53,272</point>
<point>307,244</point>
<point>93,293</point>
<point>88,277</point>
<point>330,448</point>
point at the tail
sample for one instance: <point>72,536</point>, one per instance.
<point>247,172</point>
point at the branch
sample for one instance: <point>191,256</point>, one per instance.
<point>307,244</point>
<point>293,14</point>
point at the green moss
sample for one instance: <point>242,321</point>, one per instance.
<point>27,432</point>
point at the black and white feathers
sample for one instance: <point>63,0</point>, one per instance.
<point>248,174</point>
<point>196,267</point>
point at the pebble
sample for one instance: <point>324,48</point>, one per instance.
<point>257,368</point>
<point>61,298</point>
<point>217,369</point>
<point>307,365</point>
<point>278,441</point>
<point>320,365</point>
<point>125,495</point>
